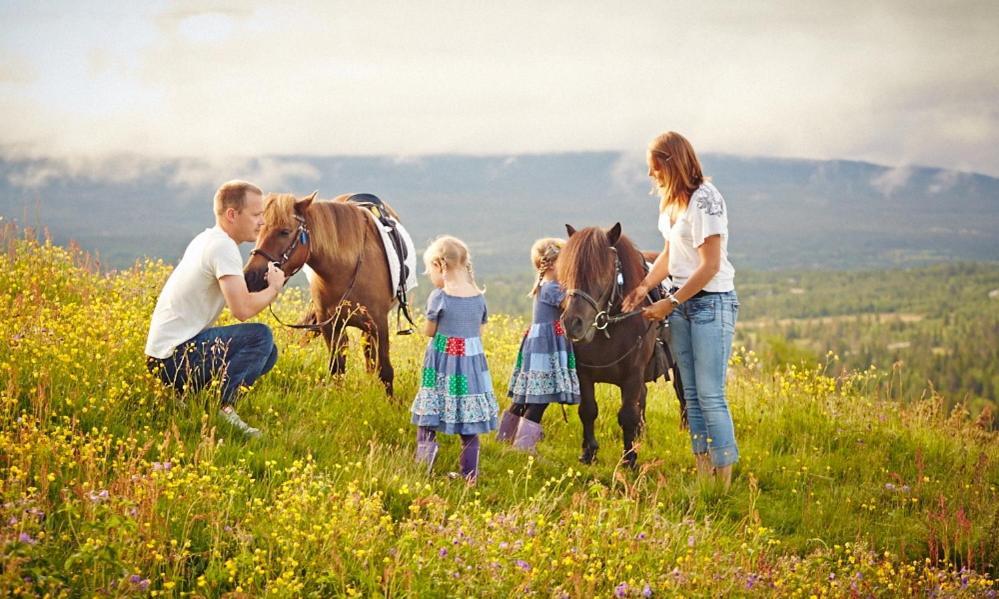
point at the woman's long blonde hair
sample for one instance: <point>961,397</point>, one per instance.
<point>451,255</point>
<point>675,169</point>
<point>544,253</point>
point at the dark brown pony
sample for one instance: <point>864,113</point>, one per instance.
<point>598,269</point>
<point>351,287</point>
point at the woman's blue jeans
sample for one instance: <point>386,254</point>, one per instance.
<point>701,331</point>
<point>238,354</point>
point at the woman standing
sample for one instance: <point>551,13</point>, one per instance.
<point>701,304</point>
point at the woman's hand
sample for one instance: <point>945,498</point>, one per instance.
<point>636,297</point>
<point>658,311</point>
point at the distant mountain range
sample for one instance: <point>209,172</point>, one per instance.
<point>784,213</point>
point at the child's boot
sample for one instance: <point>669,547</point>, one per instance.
<point>426,448</point>
<point>469,460</point>
<point>528,435</point>
<point>508,427</point>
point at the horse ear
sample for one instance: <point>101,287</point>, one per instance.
<point>614,234</point>
<point>303,204</point>
<point>570,230</point>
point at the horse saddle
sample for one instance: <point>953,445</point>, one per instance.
<point>375,205</point>
<point>390,229</point>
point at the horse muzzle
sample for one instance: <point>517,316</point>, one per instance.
<point>577,331</point>
<point>255,279</point>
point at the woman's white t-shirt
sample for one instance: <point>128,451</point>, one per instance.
<point>706,215</point>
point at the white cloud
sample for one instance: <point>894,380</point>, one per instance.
<point>944,180</point>
<point>891,83</point>
<point>272,174</point>
<point>891,180</point>
<point>628,173</point>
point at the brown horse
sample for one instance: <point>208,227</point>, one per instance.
<point>352,286</point>
<point>598,269</point>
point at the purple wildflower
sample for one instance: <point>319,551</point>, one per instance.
<point>503,545</point>
<point>889,486</point>
<point>26,538</point>
<point>523,565</point>
<point>690,541</point>
<point>98,496</point>
<point>621,590</point>
<point>641,536</point>
<point>646,590</point>
<point>12,521</point>
<point>751,581</point>
<point>442,552</point>
<point>161,466</point>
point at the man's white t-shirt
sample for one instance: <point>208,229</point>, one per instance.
<point>192,298</point>
<point>706,215</point>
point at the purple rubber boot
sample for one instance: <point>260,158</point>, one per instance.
<point>426,447</point>
<point>469,460</point>
<point>508,427</point>
<point>528,435</point>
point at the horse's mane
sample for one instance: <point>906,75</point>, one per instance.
<point>334,226</point>
<point>586,258</point>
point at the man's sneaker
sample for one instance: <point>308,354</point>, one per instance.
<point>237,423</point>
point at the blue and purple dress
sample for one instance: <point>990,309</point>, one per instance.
<point>546,367</point>
<point>456,392</point>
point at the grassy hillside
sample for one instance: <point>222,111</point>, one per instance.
<point>112,487</point>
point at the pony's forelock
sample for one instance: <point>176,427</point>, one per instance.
<point>586,260</point>
<point>331,224</point>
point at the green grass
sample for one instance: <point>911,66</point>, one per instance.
<point>839,489</point>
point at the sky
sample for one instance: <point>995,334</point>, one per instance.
<point>895,83</point>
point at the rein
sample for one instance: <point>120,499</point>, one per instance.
<point>638,343</point>
<point>603,318</point>
<point>336,311</point>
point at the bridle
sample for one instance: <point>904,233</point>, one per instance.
<point>301,237</point>
<point>603,318</point>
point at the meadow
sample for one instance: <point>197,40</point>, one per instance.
<point>112,486</point>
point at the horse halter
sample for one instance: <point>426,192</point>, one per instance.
<point>301,237</point>
<point>603,319</point>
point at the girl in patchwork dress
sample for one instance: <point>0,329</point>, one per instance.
<point>545,372</point>
<point>456,392</point>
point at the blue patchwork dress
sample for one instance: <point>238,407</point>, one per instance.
<point>456,392</point>
<point>546,366</point>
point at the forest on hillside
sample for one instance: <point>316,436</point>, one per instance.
<point>932,327</point>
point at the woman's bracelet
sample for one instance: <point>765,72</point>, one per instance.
<point>672,299</point>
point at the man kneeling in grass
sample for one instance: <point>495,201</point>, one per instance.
<point>183,349</point>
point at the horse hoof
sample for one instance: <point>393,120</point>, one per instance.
<point>630,460</point>
<point>588,457</point>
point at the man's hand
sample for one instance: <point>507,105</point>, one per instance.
<point>658,310</point>
<point>275,276</point>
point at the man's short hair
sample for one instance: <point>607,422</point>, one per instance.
<point>232,194</point>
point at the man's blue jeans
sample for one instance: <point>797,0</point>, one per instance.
<point>238,354</point>
<point>701,331</point>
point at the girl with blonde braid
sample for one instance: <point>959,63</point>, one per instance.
<point>456,392</point>
<point>545,372</point>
